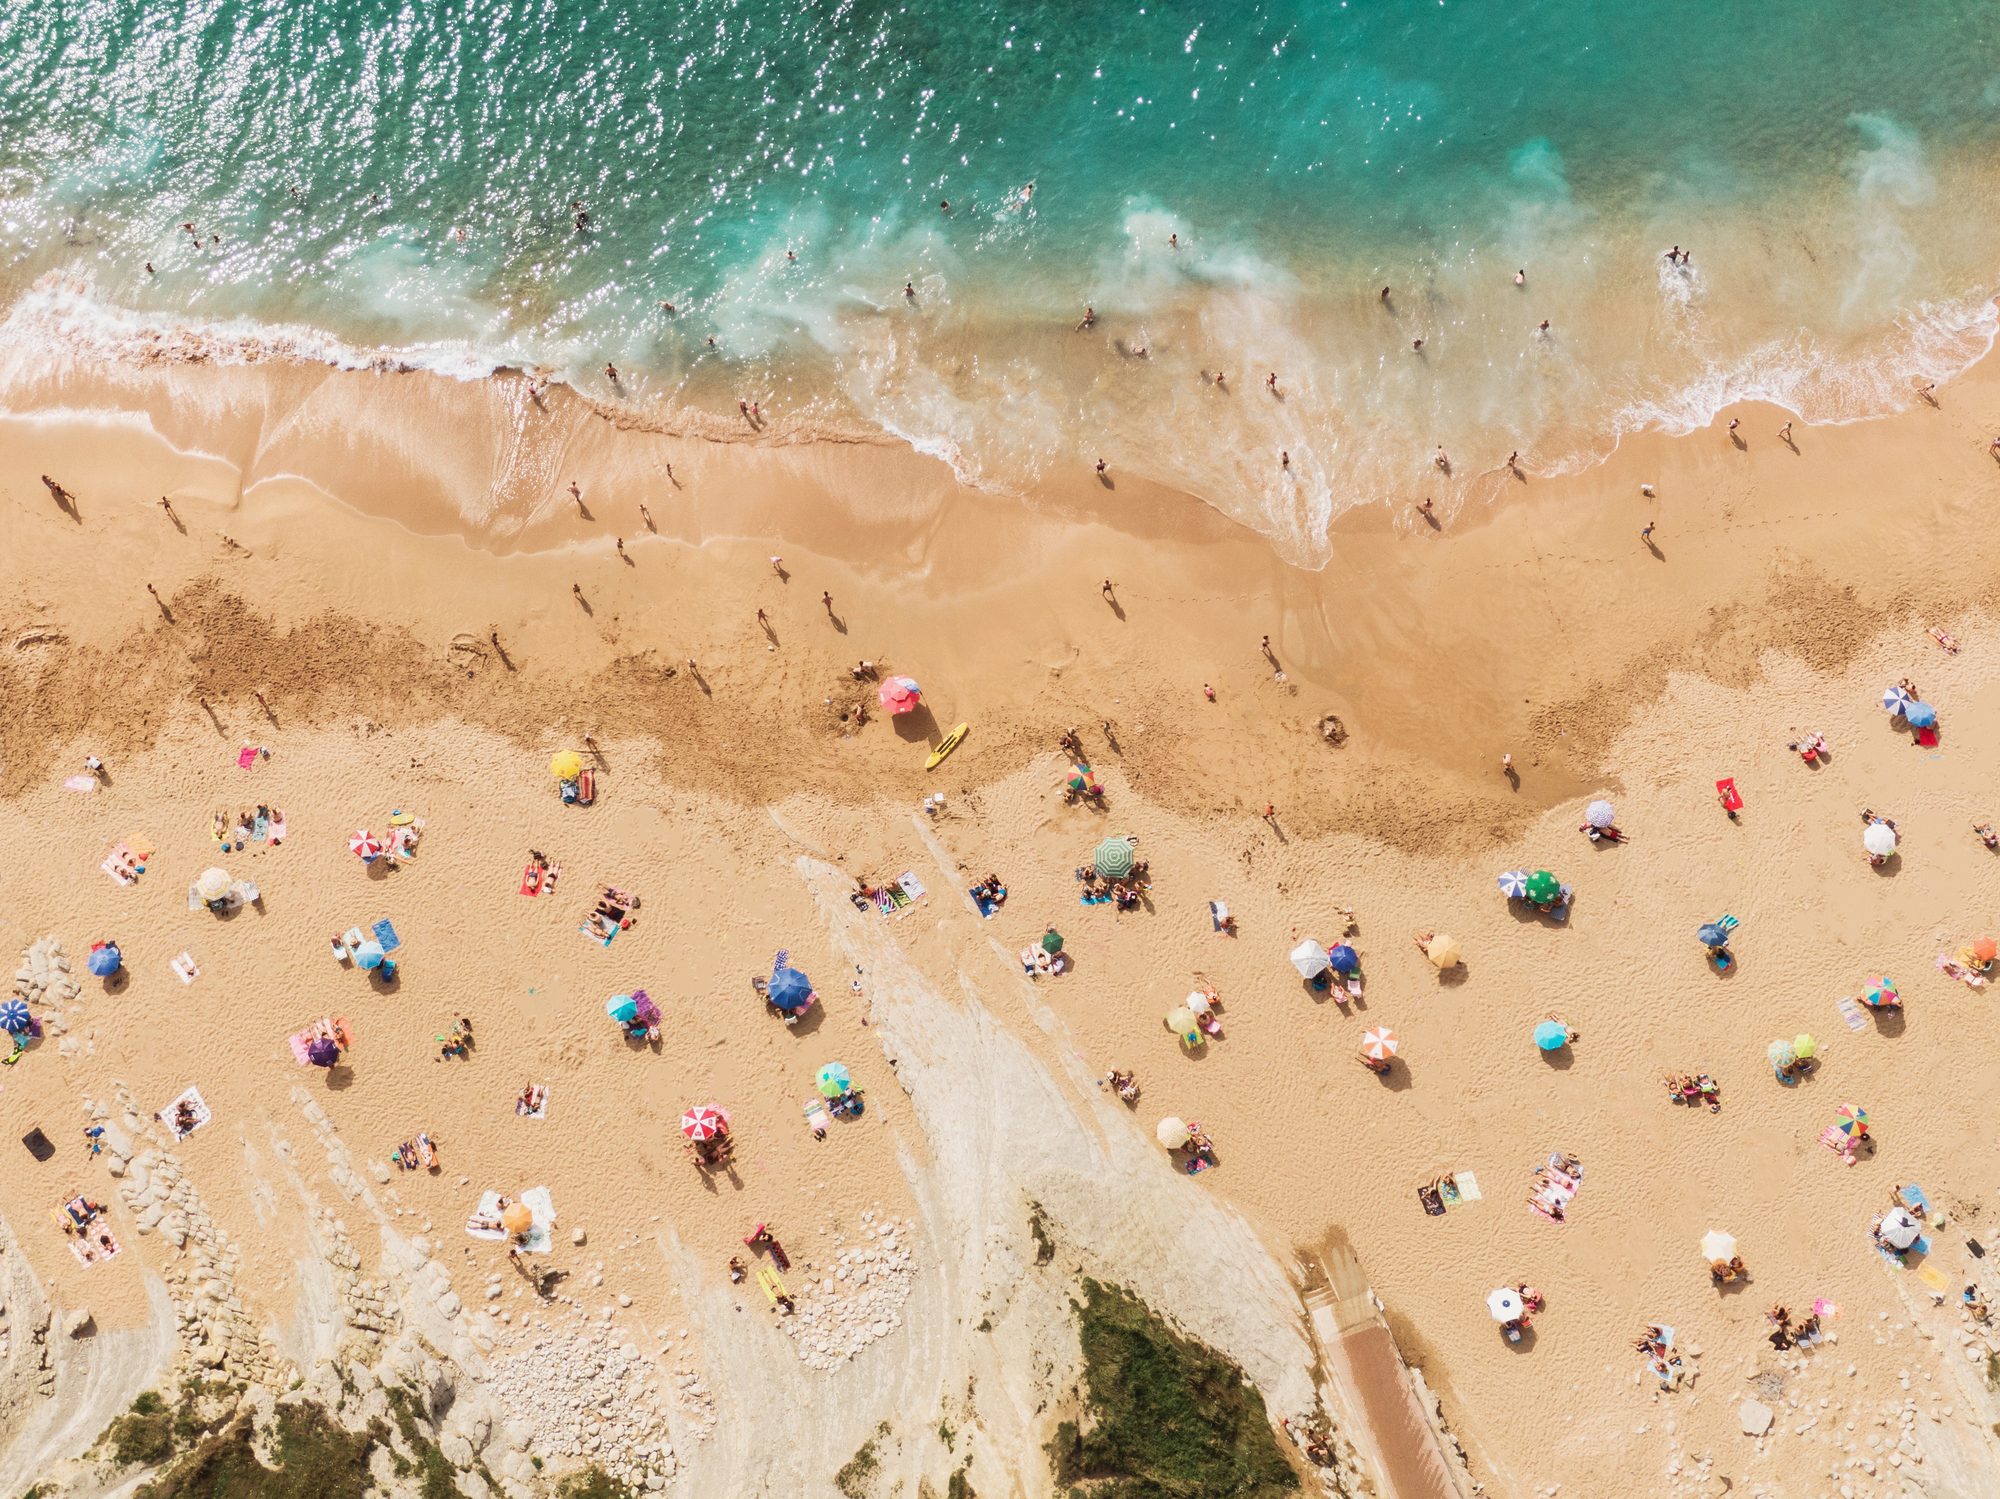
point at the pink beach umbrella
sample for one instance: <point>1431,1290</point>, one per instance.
<point>899,694</point>
<point>364,847</point>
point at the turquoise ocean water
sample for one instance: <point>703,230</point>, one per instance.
<point>1827,161</point>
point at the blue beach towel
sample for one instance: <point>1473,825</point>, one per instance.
<point>386,935</point>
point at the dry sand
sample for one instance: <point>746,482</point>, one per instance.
<point>349,545</point>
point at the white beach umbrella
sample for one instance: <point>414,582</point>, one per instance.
<point>1171,1133</point>
<point>1514,884</point>
<point>1599,814</point>
<point>1379,1044</point>
<point>1896,699</point>
<point>1717,1245</point>
<point>1879,839</point>
<point>1310,959</point>
<point>1900,1230</point>
<point>1505,1304</point>
<point>1199,1003</point>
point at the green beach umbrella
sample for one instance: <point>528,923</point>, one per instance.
<point>1114,858</point>
<point>1052,942</point>
<point>1543,887</point>
<point>833,1080</point>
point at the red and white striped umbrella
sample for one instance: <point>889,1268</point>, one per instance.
<point>1379,1044</point>
<point>704,1122</point>
<point>363,845</point>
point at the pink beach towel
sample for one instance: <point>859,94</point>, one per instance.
<point>246,757</point>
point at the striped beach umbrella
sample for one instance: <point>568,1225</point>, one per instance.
<point>1896,699</point>
<point>14,1017</point>
<point>1380,1044</point>
<point>704,1122</point>
<point>364,846</point>
<point>1514,884</point>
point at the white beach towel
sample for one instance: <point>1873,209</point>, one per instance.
<point>201,1113</point>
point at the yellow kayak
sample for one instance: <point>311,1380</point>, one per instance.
<point>949,744</point>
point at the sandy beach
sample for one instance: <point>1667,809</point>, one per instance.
<point>395,563</point>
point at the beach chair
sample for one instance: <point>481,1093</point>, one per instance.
<point>773,1287</point>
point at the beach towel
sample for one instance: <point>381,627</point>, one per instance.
<point>1468,1186</point>
<point>604,941</point>
<point>184,968</point>
<point>1953,969</point>
<point>246,757</point>
<point>773,1287</point>
<point>484,1223</point>
<point>259,827</point>
<point>987,908</point>
<point>1928,738</point>
<point>541,1108</point>
<point>817,1117</point>
<point>201,1113</point>
<point>277,831</point>
<point>910,885</point>
<point>531,878</point>
<point>1931,1276</point>
<point>81,783</point>
<point>1837,1142</point>
<point>1431,1199</point>
<point>385,934</point>
<point>484,1220</point>
<point>1218,915</point>
<point>1559,912</point>
<point>1913,1197</point>
<point>1850,1011</point>
<point>100,1246</point>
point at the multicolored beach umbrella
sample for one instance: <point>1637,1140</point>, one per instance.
<point>1853,1119</point>
<point>704,1122</point>
<point>833,1080</point>
<point>1782,1053</point>
<point>1882,995</point>
<point>899,694</point>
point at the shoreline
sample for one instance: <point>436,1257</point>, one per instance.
<point>1539,626</point>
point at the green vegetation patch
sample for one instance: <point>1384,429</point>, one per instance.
<point>1169,1417</point>
<point>316,1459</point>
<point>592,1483</point>
<point>144,1435</point>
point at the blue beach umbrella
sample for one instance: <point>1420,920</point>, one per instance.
<point>833,1080</point>
<point>1514,884</point>
<point>789,989</point>
<point>369,954</point>
<point>106,960</point>
<point>1712,935</point>
<point>1551,1035</point>
<point>1896,699</point>
<point>1343,958</point>
<point>14,1017</point>
<point>622,1008</point>
<point>1920,715</point>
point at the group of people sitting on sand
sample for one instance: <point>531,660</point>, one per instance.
<point>419,1154</point>
<point>1532,1302</point>
<point>533,1096</point>
<point>715,1150</point>
<point>1122,893</point>
<point>458,1045</point>
<point>185,1119</point>
<point>1657,1344</point>
<point>990,891</point>
<point>245,826</point>
<point>613,912</point>
<point>1785,1332</point>
<point>1811,748</point>
<point>1729,1271</point>
<point>1698,1088</point>
<point>1123,1083</point>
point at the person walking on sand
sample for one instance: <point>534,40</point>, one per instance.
<point>1208,692</point>
<point>1514,461</point>
<point>826,598</point>
<point>1646,532</point>
<point>1443,461</point>
<point>1785,434</point>
<point>763,619</point>
<point>1521,277</point>
<point>1271,384</point>
<point>1089,319</point>
<point>778,566</point>
<point>1270,814</point>
<point>576,493</point>
<point>621,544</point>
<point>1105,589</point>
<point>645,515</point>
<point>168,506</point>
<point>1734,423</point>
<point>1100,468</point>
<point>1284,459</point>
<point>1424,509</point>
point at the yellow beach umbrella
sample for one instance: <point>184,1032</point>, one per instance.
<point>1804,1046</point>
<point>565,765</point>
<point>1443,952</point>
<point>517,1218</point>
<point>1171,1133</point>
<point>212,884</point>
<point>1182,1023</point>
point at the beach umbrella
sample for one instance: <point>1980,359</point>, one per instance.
<point>517,1218</point>
<point>565,765</point>
<point>105,959</point>
<point>1882,995</point>
<point>364,846</point>
<point>1052,942</point>
<point>1551,1035</point>
<point>1171,1133</point>
<point>1879,839</point>
<point>212,884</point>
<point>1896,699</point>
<point>1899,1230</point>
<point>1920,715</point>
<point>899,694</point>
<point>1543,887</point>
<point>1853,1119</point>
<point>1182,1023</point>
<point>369,954</point>
<point>1985,949</point>
<point>833,1080</point>
<point>1599,814</point>
<point>14,1017</point>
<point>789,989</point>
<point>1805,1046</point>
<point>1380,1044</point>
<point>322,1051</point>
<point>621,1008</point>
<point>1311,959</point>
<point>1514,884</point>
<point>1782,1053</point>
<point>1711,935</point>
<point>704,1122</point>
<point>1199,1002</point>
<point>1113,858</point>
<point>1505,1304</point>
<point>1717,1245</point>
<point>1343,959</point>
<point>1443,952</point>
